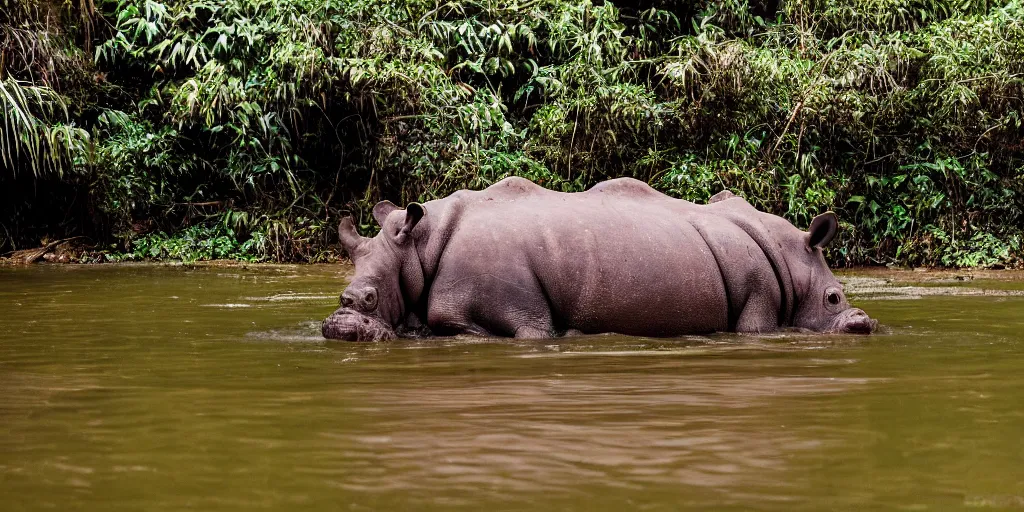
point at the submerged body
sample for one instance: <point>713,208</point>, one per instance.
<point>519,260</point>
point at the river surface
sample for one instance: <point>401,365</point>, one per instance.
<point>209,388</point>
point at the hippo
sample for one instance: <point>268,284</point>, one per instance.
<point>518,260</point>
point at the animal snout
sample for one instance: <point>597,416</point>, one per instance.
<point>362,299</point>
<point>858,322</point>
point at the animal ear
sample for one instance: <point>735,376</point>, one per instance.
<point>381,211</point>
<point>348,236</point>
<point>413,213</point>
<point>721,196</point>
<point>823,229</point>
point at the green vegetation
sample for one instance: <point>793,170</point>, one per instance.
<point>245,127</point>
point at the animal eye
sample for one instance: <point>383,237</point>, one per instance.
<point>833,298</point>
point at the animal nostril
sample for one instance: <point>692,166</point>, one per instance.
<point>346,301</point>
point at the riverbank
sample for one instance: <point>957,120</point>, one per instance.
<point>930,275</point>
<point>862,280</point>
<point>72,251</point>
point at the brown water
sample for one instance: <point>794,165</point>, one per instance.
<point>171,388</point>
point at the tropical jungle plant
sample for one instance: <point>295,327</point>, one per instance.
<point>151,124</point>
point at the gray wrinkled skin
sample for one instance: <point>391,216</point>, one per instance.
<point>349,325</point>
<point>519,260</point>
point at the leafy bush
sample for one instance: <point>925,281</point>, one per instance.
<point>271,117</point>
<point>195,243</point>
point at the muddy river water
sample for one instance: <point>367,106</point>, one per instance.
<point>209,388</point>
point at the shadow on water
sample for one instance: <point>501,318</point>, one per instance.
<point>209,388</point>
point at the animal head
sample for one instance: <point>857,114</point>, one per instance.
<point>388,274</point>
<point>821,304</point>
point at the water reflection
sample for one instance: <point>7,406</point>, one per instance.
<point>630,430</point>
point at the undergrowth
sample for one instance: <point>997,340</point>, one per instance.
<point>245,128</point>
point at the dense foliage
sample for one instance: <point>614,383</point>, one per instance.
<point>149,124</point>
